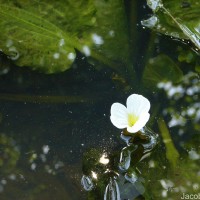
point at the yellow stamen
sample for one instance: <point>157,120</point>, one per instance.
<point>132,119</point>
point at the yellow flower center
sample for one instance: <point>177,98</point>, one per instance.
<point>132,119</point>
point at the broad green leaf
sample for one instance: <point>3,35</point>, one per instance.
<point>44,35</point>
<point>32,39</point>
<point>179,19</point>
<point>161,68</point>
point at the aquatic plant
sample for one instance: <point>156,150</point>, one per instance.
<point>134,116</point>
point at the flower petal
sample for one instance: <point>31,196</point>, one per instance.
<point>143,119</point>
<point>119,116</point>
<point>137,104</point>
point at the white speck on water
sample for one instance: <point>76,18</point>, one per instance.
<point>163,29</point>
<point>34,156</point>
<point>167,86</point>
<point>86,50</point>
<point>195,186</point>
<point>164,193</point>
<point>71,56</point>
<point>151,164</point>
<point>61,42</point>
<point>180,132</point>
<point>33,166</point>
<point>173,90</point>
<point>43,157</point>
<point>22,176</point>
<point>45,149</point>
<point>191,111</point>
<point>111,33</point>
<point>56,55</point>
<point>151,61</point>
<point>4,71</point>
<point>177,120</point>
<point>166,184</point>
<point>12,177</point>
<point>3,181</point>
<point>193,155</point>
<point>9,43</point>
<point>161,85</point>
<point>50,171</point>
<point>97,39</point>
<point>15,53</point>
<point>58,165</point>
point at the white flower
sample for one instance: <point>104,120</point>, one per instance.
<point>134,116</point>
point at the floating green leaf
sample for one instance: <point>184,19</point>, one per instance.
<point>161,68</point>
<point>179,19</point>
<point>44,35</point>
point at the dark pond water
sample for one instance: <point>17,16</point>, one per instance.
<point>56,138</point>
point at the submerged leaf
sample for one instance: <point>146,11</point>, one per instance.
<point>171,152</point>
<point>44,35</point>
<point>178,19</point>
<point>30,40</point>
<point>111,26</point>
<point>161,68</point>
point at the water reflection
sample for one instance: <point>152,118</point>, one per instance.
<point>116,172</point>
<point>97,39</point>
<point>49,121</point>
<point>112,190</point>
<point>187,93</point>
<point>87,183</point>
